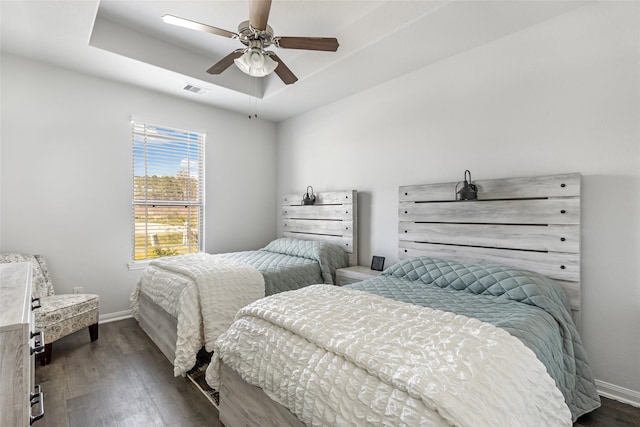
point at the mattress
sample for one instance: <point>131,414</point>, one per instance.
<point>281,272</point>
<point>203,292</point>
<point>336,356</point>
<point>534,327</point>
<point>428,349</point>
<point>504,297</point>
<point>285,263</point>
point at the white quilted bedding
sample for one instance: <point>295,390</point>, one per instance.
<point>337,356</point>
<point>209,291</point>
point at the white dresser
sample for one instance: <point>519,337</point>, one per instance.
<point>21,404</point>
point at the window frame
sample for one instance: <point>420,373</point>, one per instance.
<point>146,134</point>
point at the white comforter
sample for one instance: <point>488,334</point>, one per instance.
<point>209,291</point>
<point>337,356</point>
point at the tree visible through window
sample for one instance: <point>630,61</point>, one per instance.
<point>168,171</point>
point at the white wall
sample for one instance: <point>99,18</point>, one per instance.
<point>66,174</point>
<point>563,96</point>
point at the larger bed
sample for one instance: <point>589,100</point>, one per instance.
<point>474,326</point>
<point>184,303</point>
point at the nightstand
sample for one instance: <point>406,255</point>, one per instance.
<point>357,273</point>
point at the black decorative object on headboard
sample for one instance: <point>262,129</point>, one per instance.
<point>308,199</point>
<point>469,191</point>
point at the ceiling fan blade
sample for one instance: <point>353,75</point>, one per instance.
<point>285,74</point>
<point>329,44</point>
<point>225,62</point>
<point>193,25</point>
<point>259,13</point>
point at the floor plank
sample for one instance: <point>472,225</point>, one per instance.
<point>120,380</point>
<point>611,414</point>
<point>123,380</point>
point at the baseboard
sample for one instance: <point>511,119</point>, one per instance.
<point>112,317</point>
<point>621,394</point>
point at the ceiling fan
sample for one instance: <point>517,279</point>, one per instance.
<point>256,35</point>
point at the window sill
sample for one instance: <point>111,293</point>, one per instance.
<point>141,265</point>
<point>138,265</point>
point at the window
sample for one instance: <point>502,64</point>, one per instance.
<point>168,181</point>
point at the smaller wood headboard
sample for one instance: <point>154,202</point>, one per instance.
<point>530,223</point>
<point>332,218</point>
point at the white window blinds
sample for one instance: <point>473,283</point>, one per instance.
<point>168,181</point>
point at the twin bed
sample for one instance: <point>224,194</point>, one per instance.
<point>183,303</point>
<point>474,326</point>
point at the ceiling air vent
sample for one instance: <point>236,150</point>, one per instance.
<point>195,89</point>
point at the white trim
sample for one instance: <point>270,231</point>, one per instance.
<point>621,394</point>
<point>113,317</point>
<point>134,118</point>
<point>138,265</point>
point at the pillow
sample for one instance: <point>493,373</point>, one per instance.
<point>295,247</point>
<point>329,256</point>
<point>483,279</point>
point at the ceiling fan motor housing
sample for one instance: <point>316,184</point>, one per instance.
<point>248,34</point>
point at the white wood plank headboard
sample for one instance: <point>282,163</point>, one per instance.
<point>531,223</point>
<point>333,218</point>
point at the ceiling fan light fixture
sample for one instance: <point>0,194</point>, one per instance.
<point>257,35</point>
<point>256,63</point>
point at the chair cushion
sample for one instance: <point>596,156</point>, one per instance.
<point>61,315</point>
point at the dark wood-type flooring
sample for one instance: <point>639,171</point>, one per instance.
<point>122,379</point>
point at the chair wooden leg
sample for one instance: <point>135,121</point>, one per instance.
<point>93,332</point>
<point>45,358</point>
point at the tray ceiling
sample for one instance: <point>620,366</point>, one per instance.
<point>379,40</point>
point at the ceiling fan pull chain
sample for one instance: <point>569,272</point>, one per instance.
<point>253,99</point>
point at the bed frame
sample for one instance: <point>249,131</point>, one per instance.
<point>530,223</point>
<point>333,218</point>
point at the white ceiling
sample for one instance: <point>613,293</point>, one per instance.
<point>126,40</point>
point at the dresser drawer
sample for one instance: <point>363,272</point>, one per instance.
<point>21,403</point>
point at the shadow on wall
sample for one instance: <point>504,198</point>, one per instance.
<point>610,228</point>
<point>364,226</point>
<point>610,276</point>
<point>611,221</point>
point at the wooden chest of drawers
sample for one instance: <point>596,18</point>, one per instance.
<point>18,396</point>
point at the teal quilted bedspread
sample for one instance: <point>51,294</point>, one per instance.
<point>287,264</point>
<point>529,306</point>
